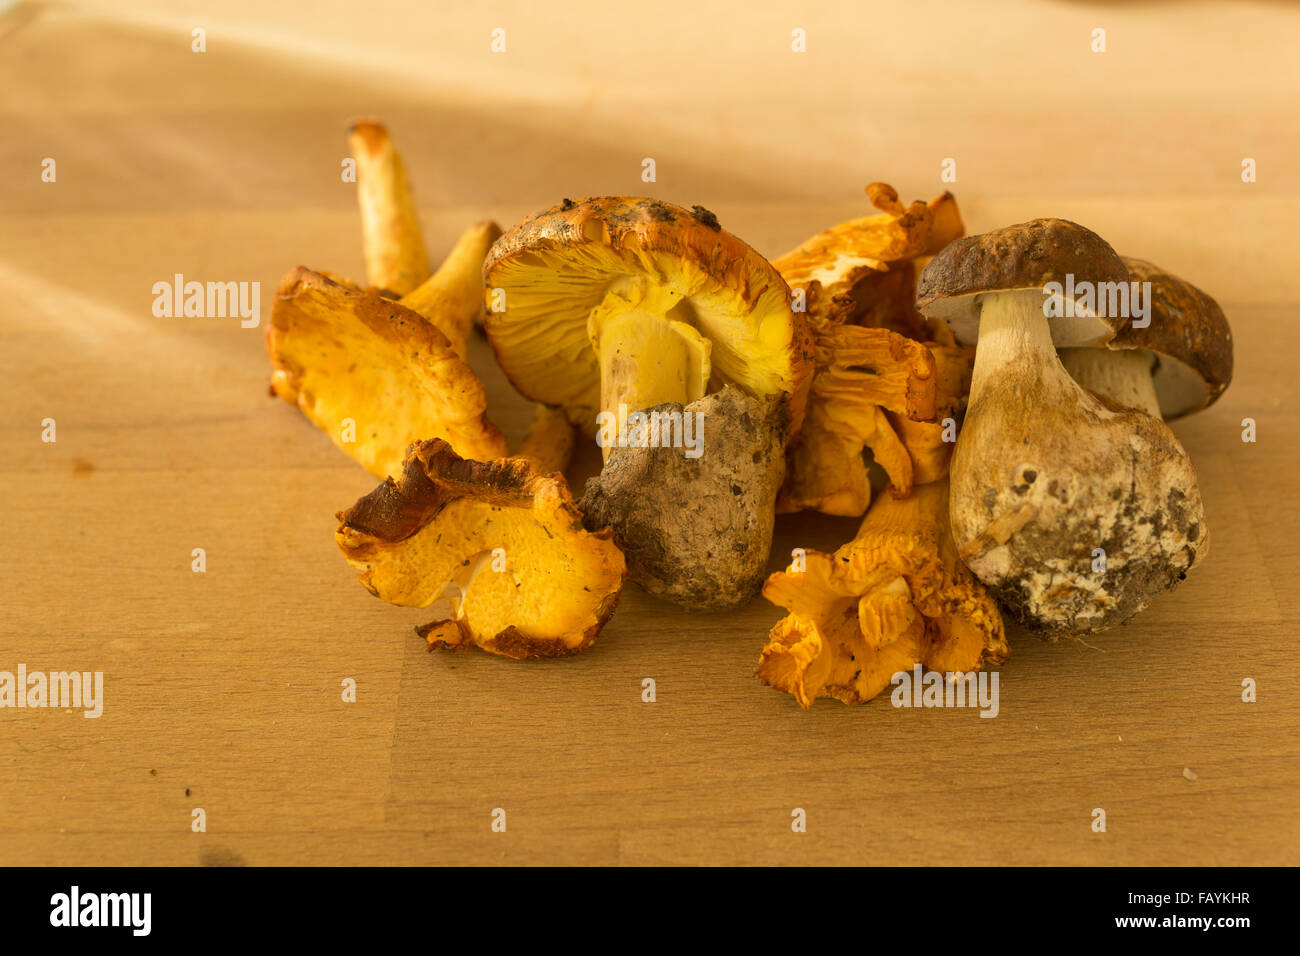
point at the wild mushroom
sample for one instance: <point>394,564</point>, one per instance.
<point>861,271</point>
<point>548,444</point>
<point>499,541</point>
<point>613,307</point>
<point>373,374</point>
<point>390,228</point>
<point>697,531</point>
<point>861,373</point>
<point>1178,362</point>
<point>452,298</point>
<point>859,280</point>
<point>929,442</point>
<point>1073,511</point>
<point>895,596</point>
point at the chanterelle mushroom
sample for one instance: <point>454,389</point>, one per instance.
<point>373,374</point>
<point>894,596</point>
<point>1178,362</point>
<point>452,298</point>
<point>860,272</point>
<point>861,374</point>
<point>390,228</point>
<point>613,306</point>
<point>501,542</point>
<point>859,282</point>
<point>1075,511</point>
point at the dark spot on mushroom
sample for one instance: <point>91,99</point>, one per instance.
<point>737,490</point>
<point>1029,475</point>
<point>990,498</point>
<point>706,218</point>
<point>1021,489</point>
<point>660,212</point>
<point>567,204</point>
<point>1193,531</point>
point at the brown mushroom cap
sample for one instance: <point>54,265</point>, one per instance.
<point>558,266</point>
<point>1024,257</point>
<point>1189,337</point>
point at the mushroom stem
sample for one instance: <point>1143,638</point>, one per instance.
<point>646,359</point>
<point>453,295</point>
<point>1013,332</point>
<point>1123,376</point>
<point>390,228</point>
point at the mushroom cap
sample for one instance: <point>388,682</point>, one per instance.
<point>339,352</point>
<point>556,267</point>
<point>1189,336</point>
<point>894,596</point>
<point>447,520</point>
<point>1023,257</point>
<point>841,267</point>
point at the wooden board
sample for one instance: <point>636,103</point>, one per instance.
<point>223,689</point>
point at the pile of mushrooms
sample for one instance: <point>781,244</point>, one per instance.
<point>980,404</point>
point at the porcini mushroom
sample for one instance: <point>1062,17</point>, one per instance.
<point>610,307</point>
<point>1178,361</point>
<point>895,596</point>
<point>373,374</point>
<point>498,540</point>
<point>1075,512</point>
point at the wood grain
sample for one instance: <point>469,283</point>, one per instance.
<point>223,688</point>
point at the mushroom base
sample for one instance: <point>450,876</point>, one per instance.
<point>697,531</point>
<point>1074,512</point>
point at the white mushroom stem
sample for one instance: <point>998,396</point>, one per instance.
<point>1015,341</point>
<point>1121,375</point>
<point>646,358</point>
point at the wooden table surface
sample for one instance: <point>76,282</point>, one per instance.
<point>223,689</point>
